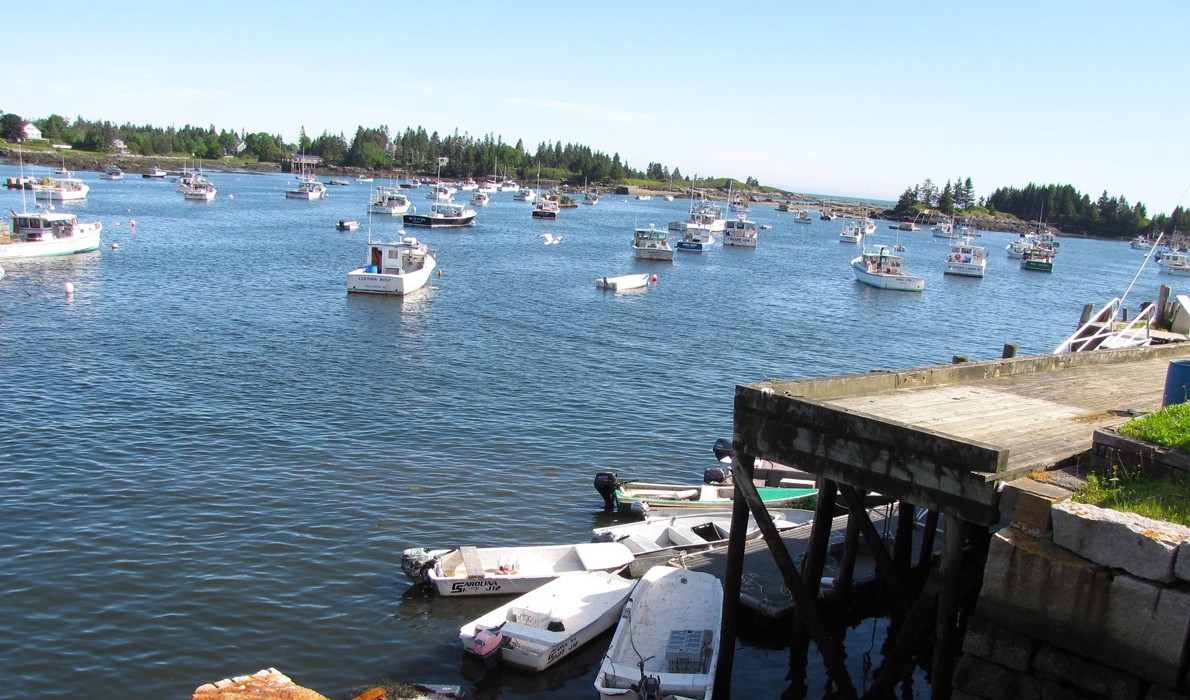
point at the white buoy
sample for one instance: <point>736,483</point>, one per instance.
<point>115,245</point>
<point>68,288</point>
<point>231,196</point>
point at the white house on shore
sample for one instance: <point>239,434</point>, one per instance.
<point>30,132</point>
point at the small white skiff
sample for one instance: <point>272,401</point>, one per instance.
<point>688,531</point>
<point>540,628</point>
<point>667,640</point>
<point>508,570</point>
<point>622,282</point>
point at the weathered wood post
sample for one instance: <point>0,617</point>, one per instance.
<point>1164,317</point>
<point>812,565</point>
<point>732,578</point>
<point>903,550</point>
<point>1088,312</point>
<point>927,538</point>
<point>1009,351</point>
<point>947,623</point>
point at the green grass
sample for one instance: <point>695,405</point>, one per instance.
<point>1169,427</point>
<point>1166,499</point>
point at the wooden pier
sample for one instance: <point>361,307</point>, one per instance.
<point>940,438</point>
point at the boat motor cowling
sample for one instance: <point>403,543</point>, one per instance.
<point>606,484</point>
<point>716,475</point>
<point>724,448</point>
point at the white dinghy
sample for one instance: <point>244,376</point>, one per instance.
<point>667,640</point>
<point>508,570</point>
<point>540,628</point>
<point>620,283</point>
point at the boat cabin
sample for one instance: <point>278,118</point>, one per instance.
<point>43,226</point>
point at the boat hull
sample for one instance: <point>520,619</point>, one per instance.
<point>587,604</point>
<point>360,281</point>
<point>666,254</point>
<point>622,282</point>
<point>896,283</point>
<point>428,221</point>
<point>672,621</point>
<point>702,496</point>
<point>518,570</point>
<point>965,269</point>
<point>83,242</point>
<point>1037,265</point>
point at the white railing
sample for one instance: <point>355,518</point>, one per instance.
<point>1102,331</point>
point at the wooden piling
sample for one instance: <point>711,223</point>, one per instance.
<point>927,538</point>
<point>1008,351</point>
<point>812,566</point>
<point>946,623</point>
<point>1088,312</point>
<point>830,646</point>
<point>732,579</point>
<point>1164,315</point>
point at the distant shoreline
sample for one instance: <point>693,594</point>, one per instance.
<point>848,207</point>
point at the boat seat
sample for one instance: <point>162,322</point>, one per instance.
<point>529,633</point>
<point>471,562</point>
<point>683,536</point>
<point>640,544</point>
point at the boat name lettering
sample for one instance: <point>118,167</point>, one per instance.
<point>466,586</point>
<point>562,649</point>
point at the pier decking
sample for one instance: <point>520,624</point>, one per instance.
<point>940,438</point>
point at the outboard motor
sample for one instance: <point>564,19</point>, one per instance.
<point>606,484</point>
<point>716,475</point>
<point>487,645</point>
<point>723,448</point>
<point>415,561</point>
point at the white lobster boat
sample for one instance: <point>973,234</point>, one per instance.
<point>389,200</point>
<point>740,232</point>
<point>62,189</point>
<point>966,260</point>
<point>41,234</point>
<point>652,243</point>
<point>540,628</point>
<point>393,268</point>
<point>881,268</point>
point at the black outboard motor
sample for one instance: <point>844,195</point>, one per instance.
<point>723,448</point>
<point>606,484</point>
<point>716,475</point>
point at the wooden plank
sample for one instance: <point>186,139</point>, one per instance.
<point>471,561</point>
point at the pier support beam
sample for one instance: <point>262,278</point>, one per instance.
<point>812,566</point>
<point>732,580</point>
<point>950,567</point>
<point>830,646</point>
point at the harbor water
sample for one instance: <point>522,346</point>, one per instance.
<point>212,456</point>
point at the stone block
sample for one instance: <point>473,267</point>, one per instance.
<point>1088,676</point>
<point>1141,546</point>
<point>998,645</point>
<point>1053,690</point>
<point>1157,692</point>
<point>1036,588</point>
<point>1181,564</point>
<point>983,678</point>
<point>1027,504</point>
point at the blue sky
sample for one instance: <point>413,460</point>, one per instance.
<point>850,98</point>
